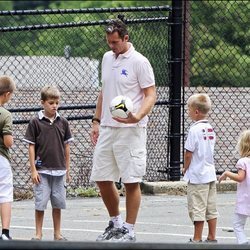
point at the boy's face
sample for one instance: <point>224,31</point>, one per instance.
<point>50,107</point>
<point>8,96</point>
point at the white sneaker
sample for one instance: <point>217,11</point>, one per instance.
<point>108,233</point>
<point>5,237</point>
<point>122,235</point>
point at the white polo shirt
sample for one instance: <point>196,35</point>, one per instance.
<point>125,75</point>
<point>201,141</point>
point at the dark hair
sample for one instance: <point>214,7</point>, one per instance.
<point>117,25</point>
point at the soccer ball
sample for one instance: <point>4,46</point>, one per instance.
<point>121,106</point>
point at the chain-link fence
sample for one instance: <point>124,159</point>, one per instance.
<point>217,59</point>
<point>65,47</point>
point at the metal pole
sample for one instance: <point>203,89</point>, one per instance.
<point>176,63</point>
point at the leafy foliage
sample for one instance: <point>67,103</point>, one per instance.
<point>219,37</point>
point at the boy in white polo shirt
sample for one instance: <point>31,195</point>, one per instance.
<point>199,169</point>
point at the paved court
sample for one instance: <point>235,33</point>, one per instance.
<point>162,219</point>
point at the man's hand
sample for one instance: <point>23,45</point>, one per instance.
<point>94,133</point>
<point>132,118</point>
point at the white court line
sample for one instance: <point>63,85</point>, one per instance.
<point>100,231</point>
<point>145,223</point>
<point>154,223</point>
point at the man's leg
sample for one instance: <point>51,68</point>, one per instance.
<point>133,201</point>
<point>110,197</point>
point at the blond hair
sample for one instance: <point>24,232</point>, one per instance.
<point>243,144</point>
<point>50,92</point>
<point>7,84</point>
<point>200,102</point>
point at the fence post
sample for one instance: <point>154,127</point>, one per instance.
<point>176,63</point>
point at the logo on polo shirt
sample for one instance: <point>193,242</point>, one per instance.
<point>124,72</point>
<point>208,134</point>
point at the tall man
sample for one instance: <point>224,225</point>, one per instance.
<point>120,143</point>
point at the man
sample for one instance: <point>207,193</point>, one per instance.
<point>120,143</point>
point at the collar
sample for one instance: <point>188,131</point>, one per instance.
<point>128,52</point>
<point>42,116</point>
<point>200,121</point>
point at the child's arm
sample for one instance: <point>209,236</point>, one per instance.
<point>67,159</point>
<point>187,160</point>
<point>239,177</point>
<point>8,141</point>
<point>34,174</point>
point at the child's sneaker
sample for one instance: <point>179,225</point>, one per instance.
<point>211,241</point>
<point>5,237</point>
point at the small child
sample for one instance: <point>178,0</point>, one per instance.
<point>7,87</point>
<point>242,208</point>
<point>199,170</point>
<point>48,136</point>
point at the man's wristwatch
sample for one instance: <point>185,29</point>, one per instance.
<point>94,119</point>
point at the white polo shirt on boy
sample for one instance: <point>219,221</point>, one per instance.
<point>201,141</point>
<point>125,75</point>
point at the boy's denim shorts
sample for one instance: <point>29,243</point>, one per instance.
<point>50,188</point>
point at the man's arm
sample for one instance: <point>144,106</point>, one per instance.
<point>95,123</point>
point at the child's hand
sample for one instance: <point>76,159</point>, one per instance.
<point>183,170</point>
<point>222,177</point>
<point>35,177</point>
<point>68,177</point>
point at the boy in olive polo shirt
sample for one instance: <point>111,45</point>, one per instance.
<point>48,135</point>
<point>7,87</point>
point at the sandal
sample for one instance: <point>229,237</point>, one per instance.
<point>36,238</point>
<point>61,238</point>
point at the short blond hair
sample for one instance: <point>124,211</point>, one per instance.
<point>200,102</point>
<point>50,92</point>
<point>243,144</point>
<point>7,84</point>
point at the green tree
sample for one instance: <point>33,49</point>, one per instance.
<point>219,33</point>
<point>220,36</point>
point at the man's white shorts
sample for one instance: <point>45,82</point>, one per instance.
<point>120,153</point>
<point>6,181</point>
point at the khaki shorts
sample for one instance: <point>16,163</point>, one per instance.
<point>202,201</point>
<point>50,188</point>
<point>120,153</point>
